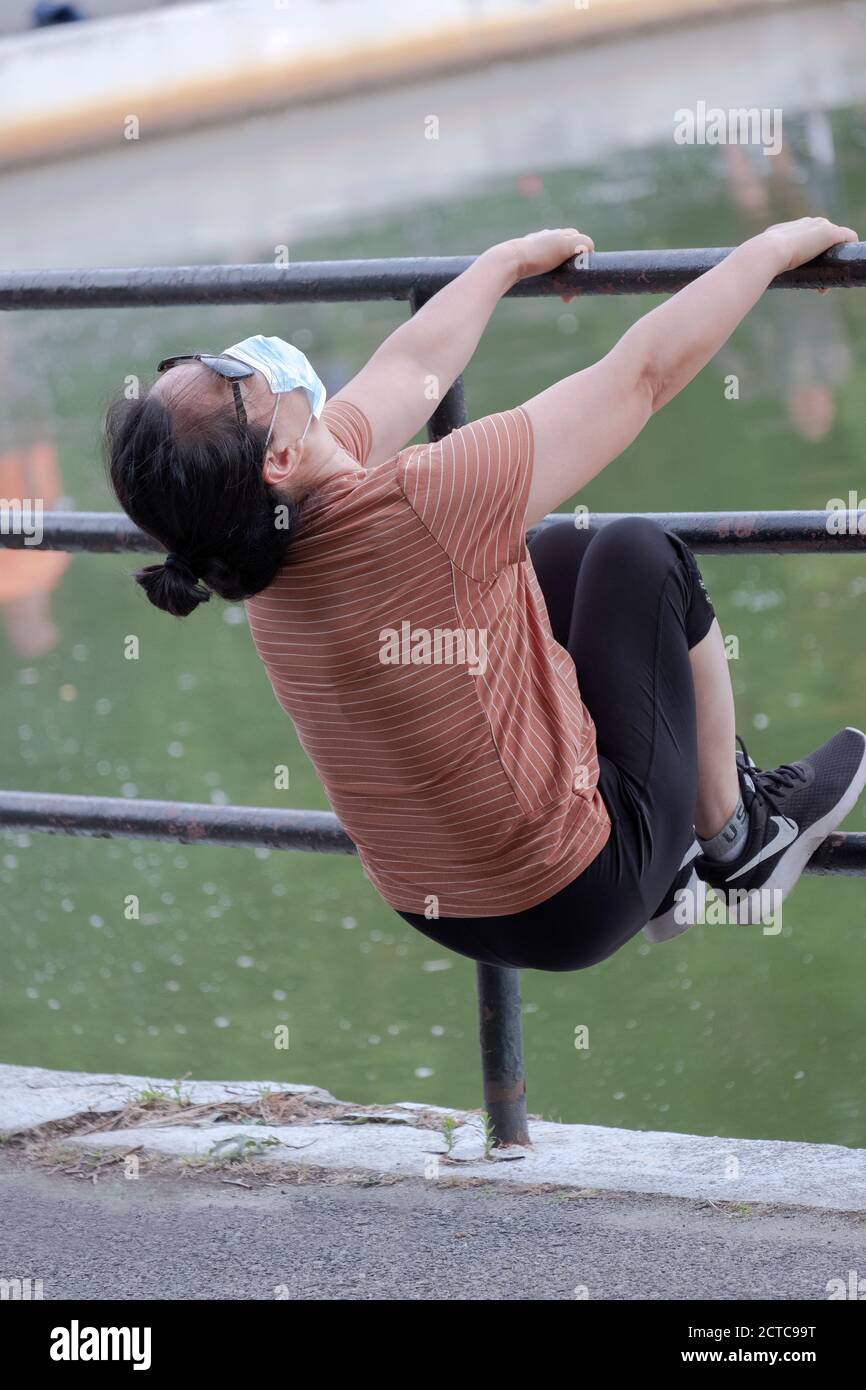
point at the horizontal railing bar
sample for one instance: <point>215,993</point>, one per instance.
<point>112,817</point>
<point>102,533</point>
<point>316,832</point>
<point>748,533</point>
<point>401,277</point>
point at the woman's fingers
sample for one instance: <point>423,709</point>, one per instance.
<point>550,248</point>
<point>806,238</point>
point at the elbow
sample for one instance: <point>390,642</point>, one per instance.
<point>641,364</point>
<point>653,386</point>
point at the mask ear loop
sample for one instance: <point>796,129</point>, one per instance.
<point>273,422</point>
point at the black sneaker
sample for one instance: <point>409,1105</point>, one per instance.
<point>791,810</point>
<point>682,905</point>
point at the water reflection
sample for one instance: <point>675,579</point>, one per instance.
<point>29,484</point>
<point>794,349</point>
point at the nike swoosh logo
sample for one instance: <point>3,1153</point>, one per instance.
<point>787,831</point>
<point>690,854</point>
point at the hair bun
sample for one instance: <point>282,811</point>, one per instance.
<point>178,565</point>
<point>173,586</point>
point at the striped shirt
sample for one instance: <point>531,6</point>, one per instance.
<point>408,640</point>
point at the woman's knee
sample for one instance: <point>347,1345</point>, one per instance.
<point>560,543</point>
<point>638,550</point>
<point>633,535</point>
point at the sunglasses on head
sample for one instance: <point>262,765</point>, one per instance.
<point>229,368</point>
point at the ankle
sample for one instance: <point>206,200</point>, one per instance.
<point>728,842</point>
<point>710,820</point>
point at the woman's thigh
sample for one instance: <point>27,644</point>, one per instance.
<point>637,604</point>
<point>557,552</point>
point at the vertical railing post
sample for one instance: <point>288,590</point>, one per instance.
<point>501,1034</point>
<point>500,1019</point>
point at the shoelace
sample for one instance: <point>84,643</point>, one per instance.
<point>769,784</point>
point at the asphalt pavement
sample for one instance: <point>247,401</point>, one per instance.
<point>174,1236</point>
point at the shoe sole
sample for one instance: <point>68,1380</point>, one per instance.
<point>750,911</point>
<point>666,927</point>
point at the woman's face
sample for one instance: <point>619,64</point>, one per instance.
<point>192,391</point>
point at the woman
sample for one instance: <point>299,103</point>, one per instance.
<point>523,744</point>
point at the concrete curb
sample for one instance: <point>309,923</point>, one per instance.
<point>80,85</point>
<point>34,1096</point>
<point>397,1141</point>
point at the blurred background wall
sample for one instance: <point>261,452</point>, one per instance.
<point>16,16</point>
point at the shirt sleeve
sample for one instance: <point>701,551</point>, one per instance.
<point>350,427</point>
<point>471,490</point>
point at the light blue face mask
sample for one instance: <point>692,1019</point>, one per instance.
<point>285,368</point>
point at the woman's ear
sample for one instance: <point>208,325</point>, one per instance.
<point>281,465</point>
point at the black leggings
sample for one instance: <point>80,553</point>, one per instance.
<point>627,601</point>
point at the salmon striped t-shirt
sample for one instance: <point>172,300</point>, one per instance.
<point>407,638</point>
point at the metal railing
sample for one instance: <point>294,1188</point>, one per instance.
<point>749,533</point>
<point>411,278</point>
<point>415,281</point>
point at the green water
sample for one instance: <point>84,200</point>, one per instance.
<point>723,1031</point>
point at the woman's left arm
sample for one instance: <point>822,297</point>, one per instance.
<point>403,382</point>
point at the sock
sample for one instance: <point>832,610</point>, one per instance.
<point>727,844</point>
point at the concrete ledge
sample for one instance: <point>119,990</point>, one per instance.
<point>33,1096</point>
<point>405,1140</point>
<point>77,86</point>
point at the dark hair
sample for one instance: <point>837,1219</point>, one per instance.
<point>200,493</point>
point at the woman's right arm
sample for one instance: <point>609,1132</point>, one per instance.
<point>586,420</point>
<point>408,375</point>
